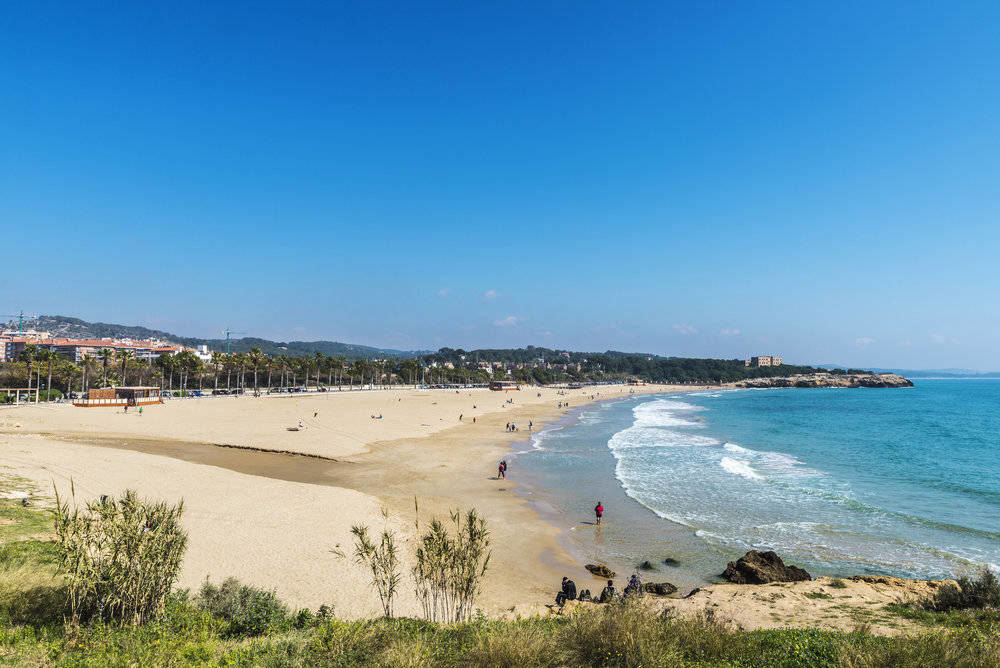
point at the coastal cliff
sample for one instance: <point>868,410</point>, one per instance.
<point>829,380</point>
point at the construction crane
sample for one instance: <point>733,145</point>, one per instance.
<point>229,333</point>
<point>20,319</point>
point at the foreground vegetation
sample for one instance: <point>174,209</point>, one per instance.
<point>53,612</point>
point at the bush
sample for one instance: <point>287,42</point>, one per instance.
<point>49,395</point>
<point>248,610</point>
<point>976,593</point>
<point>120,557</point>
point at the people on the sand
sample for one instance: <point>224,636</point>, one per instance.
<point>608,593</point>
<point>530,424</point>
<point>634,586</point>
<point>459,417</point>
<point>568,592</point>
<point>599,511</point>
<point>502,470</point>
<point>507,428</point>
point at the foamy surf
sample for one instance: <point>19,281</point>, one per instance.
<point>738,467</point>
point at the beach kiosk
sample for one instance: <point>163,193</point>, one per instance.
<point>504,385</point>
<point>120,396</point>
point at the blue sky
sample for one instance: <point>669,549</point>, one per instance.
<point>818,180</point>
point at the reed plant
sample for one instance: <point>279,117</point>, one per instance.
<point>120,556</point>
<point>381,559</point>
<point>449,569</point>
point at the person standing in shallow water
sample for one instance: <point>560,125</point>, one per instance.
<point>599,511</point>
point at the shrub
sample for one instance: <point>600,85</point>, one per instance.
<point>248,610</point>
<point>49,395</point>
<point>837,583</point>
<point>120,556</point>
<point>977,593</point>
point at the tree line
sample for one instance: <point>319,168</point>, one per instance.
<point>51,375</point>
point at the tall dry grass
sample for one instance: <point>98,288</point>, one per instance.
<point>120,556</point>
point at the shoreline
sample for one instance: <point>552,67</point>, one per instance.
<point>662,538</point>
<point>270,519</point>
<point>452,466</point>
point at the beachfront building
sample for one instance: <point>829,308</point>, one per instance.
<point>120,396</point>
<point>763,360</point>
<point>504,385</point>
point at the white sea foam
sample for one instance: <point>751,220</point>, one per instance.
<point>639,437</point>
<point>732,447</point>
<point>739,467</point>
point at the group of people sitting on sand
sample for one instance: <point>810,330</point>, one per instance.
<point>608,594</point>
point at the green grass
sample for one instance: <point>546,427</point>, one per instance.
<point>818,595</point>
<point>950,619</point>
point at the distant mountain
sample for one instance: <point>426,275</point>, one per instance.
<point>75,328</point>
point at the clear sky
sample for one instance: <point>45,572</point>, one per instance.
<point>818,180</point>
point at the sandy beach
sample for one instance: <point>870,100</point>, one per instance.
<point>271,519</point>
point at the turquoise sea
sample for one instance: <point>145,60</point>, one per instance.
<point>840,481</point>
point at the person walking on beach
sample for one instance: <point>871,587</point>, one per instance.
<point>599,511</point>
<point>502,471</point>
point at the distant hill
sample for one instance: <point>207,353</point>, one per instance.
<point>943,373</point>
<point>927,373</point>
<point>75,328</point>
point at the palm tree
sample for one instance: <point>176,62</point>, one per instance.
<point>240,360</point>
<point>87,360</point>
<point>165,362</point>
<point>30,355</point>
<point>105,354</point>
<point>124,355</point>
<point>255,357</point>
<point>217,361</point>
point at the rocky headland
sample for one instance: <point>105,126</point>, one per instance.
<point>829,380</point>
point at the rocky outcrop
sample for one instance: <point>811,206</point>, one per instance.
<point>601,571</point>
<point>761,568</point>
<point>659,588</point>
<point>829,380</point>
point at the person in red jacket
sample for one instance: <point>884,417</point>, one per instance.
<point>598,511</point>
